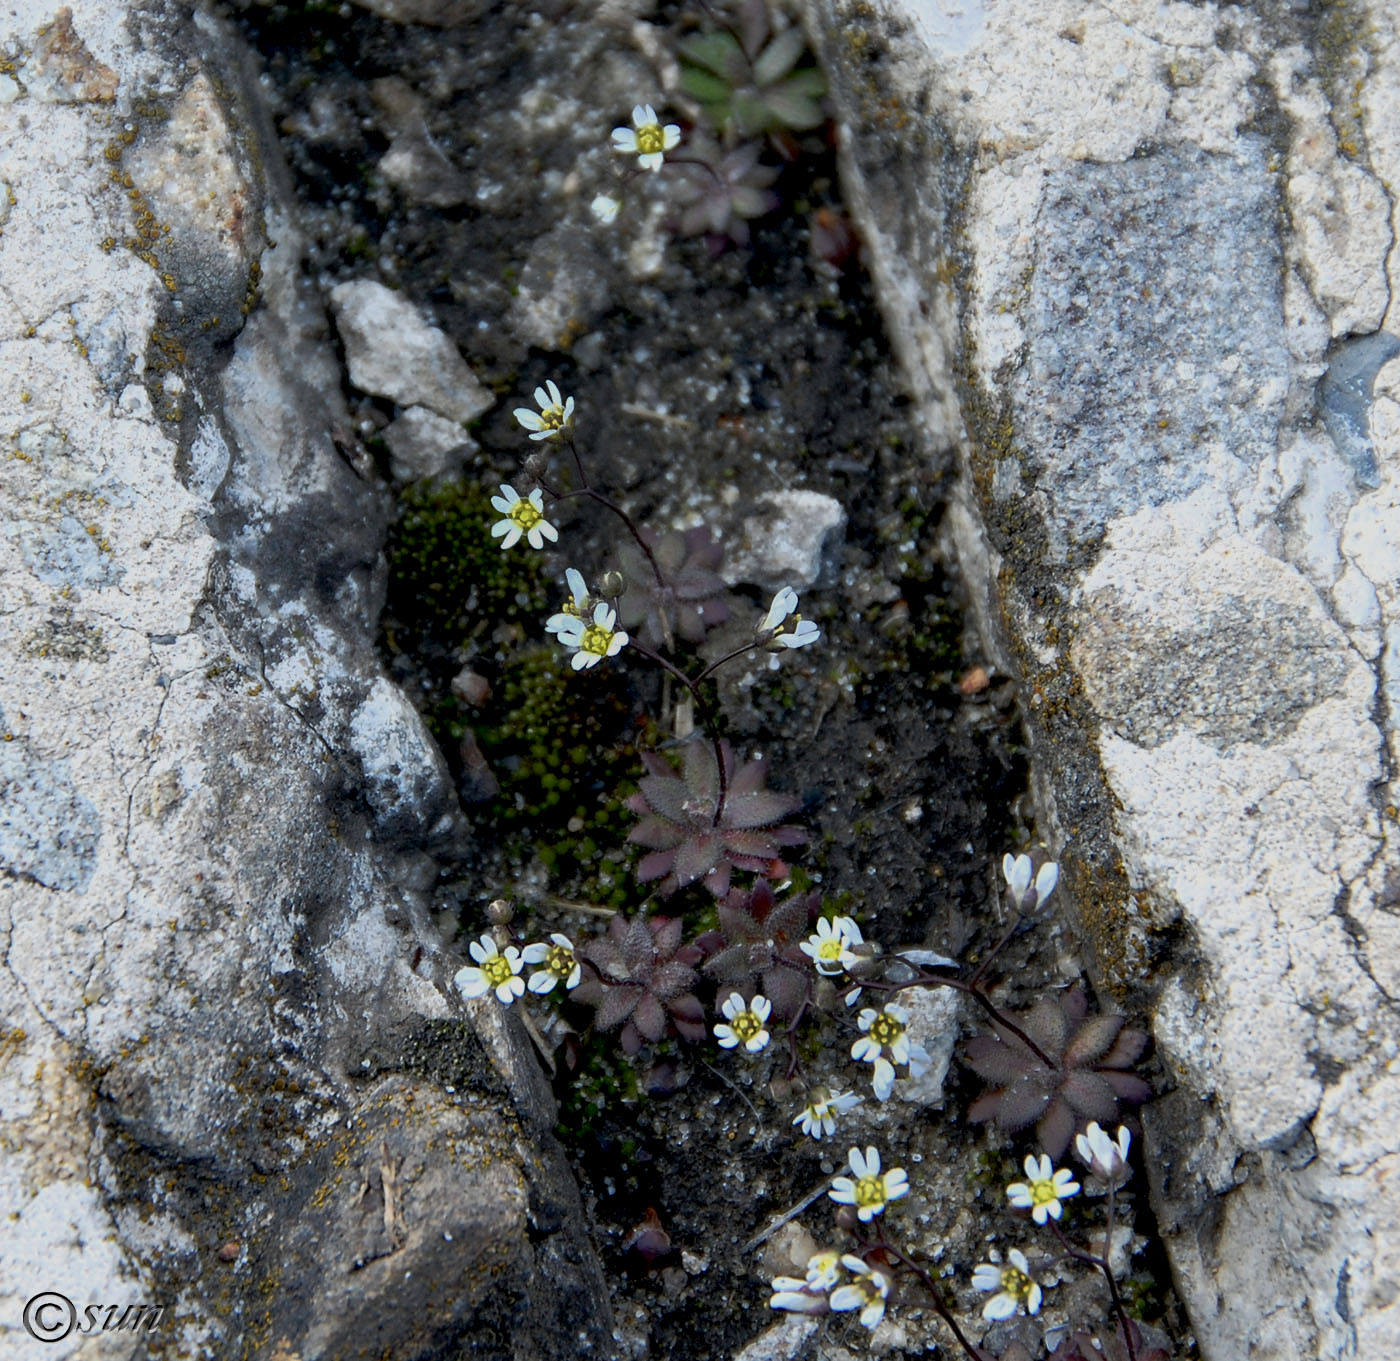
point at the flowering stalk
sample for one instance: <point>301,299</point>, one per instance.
<point>940,1306</point>
<point>1103,1264</point>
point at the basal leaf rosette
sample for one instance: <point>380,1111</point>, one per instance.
<point>692,836</point>
<point>640,979</point>
<point>1085,1079</point>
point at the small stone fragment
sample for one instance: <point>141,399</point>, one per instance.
<point>392,351</point>
<point>786,545</point>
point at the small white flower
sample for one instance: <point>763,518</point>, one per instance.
<point>560,964</point>
<point>867,1292</point>
<point>819,1116</point>
<point>802,632</point>
<point>1043,1190</point>
<point>823,1270</point>
<point>574,608</point>
<point>1013,1284</point>
<point>523,516</point>
<point>1017,870</point>
<point>1104,1157</point>
<point>646,138</point>
<point>871,1190</point>
<point>605,208</point>
<point>495,969</point>
<point>830,949</point>
<point>747,1023</point>
<point>887,1045</point>
<point>555,415</point>
<point>591,640</point>
<point>797,1297</point>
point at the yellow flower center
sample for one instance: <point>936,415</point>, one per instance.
<point>1043,1192</point>
<point>885,1030</point>
<point>870,1191</point>
<point>497,970</point>
<point>596,640</point>
<point>651,139</point>
<point>559,961</point>
<point>525,515</point>
<point>746,1025</point>
<point>831,949</point>
<point>552,418</point>
<point>1015,1282</point>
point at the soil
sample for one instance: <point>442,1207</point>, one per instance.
<point>706,375</point>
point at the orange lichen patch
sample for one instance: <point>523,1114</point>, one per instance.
<point>63,57</point>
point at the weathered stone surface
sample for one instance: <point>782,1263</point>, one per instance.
<point>1118,250</point>
<point>788,543</point>
<point>392,351</point>
<point>231,1080</point>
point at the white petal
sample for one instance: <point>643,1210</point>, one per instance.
<point>987,1277</point>
<point>761,1007</point>
<point>555,397</point>
<point>999,1307</point>
<point>884,1080</point>
<point>543,981</point>
<point>1046,880</point>
<point>653,160</point>
<point>1018,1260</point>
<point>530,420</point>
<point>624,139</point>
<point>643,115</point>
<point>532,954</point>
<point>471,982</point>
<point>512,536</point>
<point>843,1191</point>
<point>671,136</point>
<point>1033,1302</point>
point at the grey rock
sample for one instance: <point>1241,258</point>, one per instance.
<point>392,351</point>
<point>1196,591</point>
<point>563,288</point>
<point>1344,398</point>
<point>48,831</point>
<point>1154,329</point>
<point>235,1078</point>
<point>789,543</point>
<point>424,444</point>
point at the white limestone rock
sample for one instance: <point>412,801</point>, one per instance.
<point>1196,575</point>
<point>392,351</point>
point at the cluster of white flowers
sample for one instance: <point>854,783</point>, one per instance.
<point>498,969</point>
<point>825,1288</point>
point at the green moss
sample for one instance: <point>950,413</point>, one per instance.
<point>449,579</point>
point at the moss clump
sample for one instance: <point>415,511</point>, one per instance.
<point>561,745</point>
<point>449,580</point>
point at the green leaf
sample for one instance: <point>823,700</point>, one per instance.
<point>701,85</point>
<point>794,110</point>
<point>717,52</point>
<point>779,57</point>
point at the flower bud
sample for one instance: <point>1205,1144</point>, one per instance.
<point>612,582</point>
<point>500,913</point>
